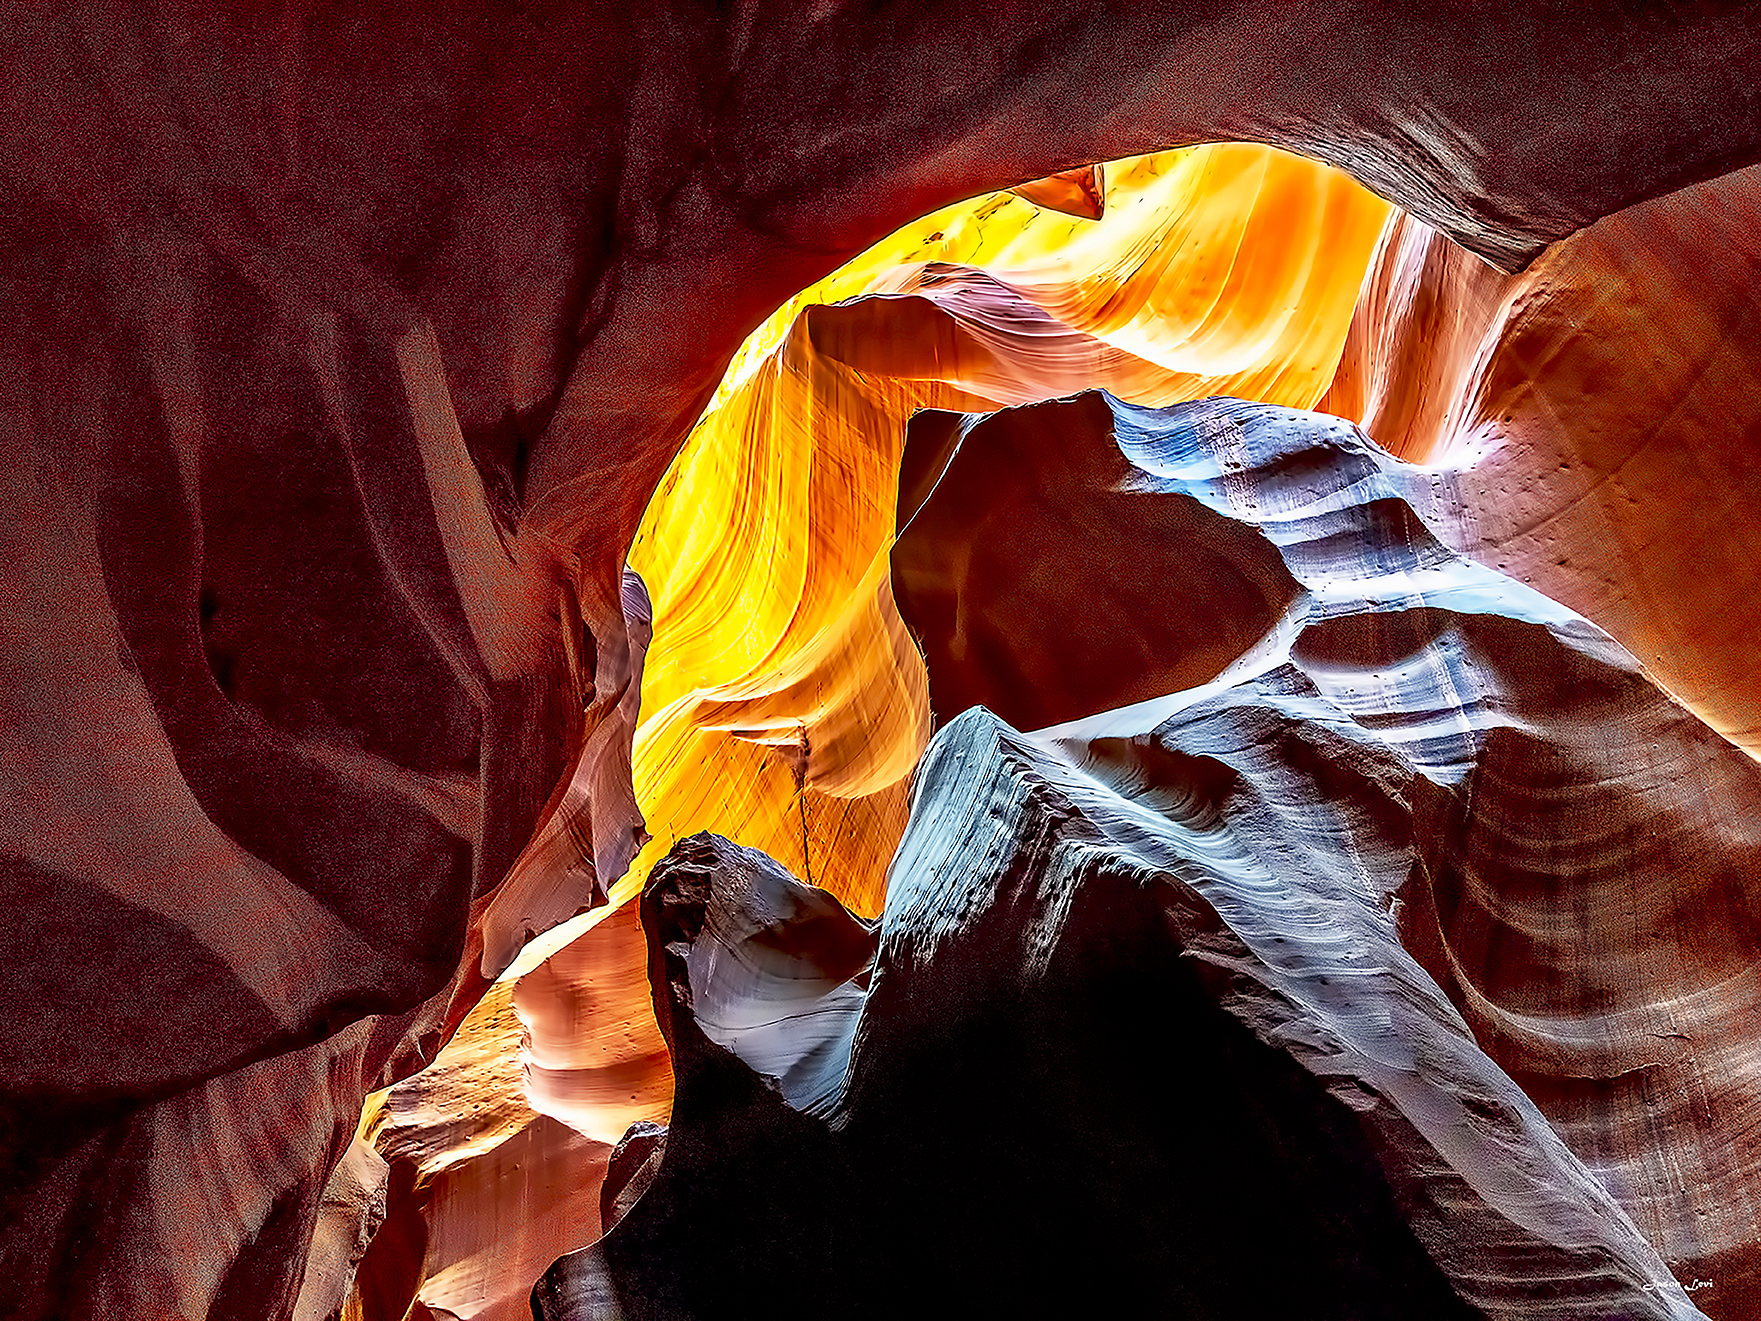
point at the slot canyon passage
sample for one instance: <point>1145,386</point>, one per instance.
<point>670,661</point>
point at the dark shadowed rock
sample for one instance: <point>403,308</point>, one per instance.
<point>1580,859</point>
<point>342,346</point>
<point>1256,998</point>
<point>633,1165</point>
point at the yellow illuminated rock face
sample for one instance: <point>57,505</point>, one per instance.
<point>784,703</point>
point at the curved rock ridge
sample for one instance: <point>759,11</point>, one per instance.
<point>1582,888</point>
<point>1601,409</point>
<point>343,346</point>
<point>785,701</point>
<point>1050,950</point>
<point>1324,870</point>
<point>772,969</point>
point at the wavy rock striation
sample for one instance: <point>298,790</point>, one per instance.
<point>785,702</point>
<point>342,348</point>
<point>1431,876</point>
<point>1584,898</point>
<point>1600,410</point>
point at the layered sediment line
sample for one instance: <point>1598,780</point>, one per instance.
<point>1435,863</point>
<point>1597,414</point>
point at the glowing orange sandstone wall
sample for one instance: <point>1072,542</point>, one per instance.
<point>1599,412</point>
<point>783,704</point>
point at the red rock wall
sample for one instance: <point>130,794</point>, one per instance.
<point>1601,410</point>
<point>341,351</point>
<point>1158,999</point>
<point>1592,421</point>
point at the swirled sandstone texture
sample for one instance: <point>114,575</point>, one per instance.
<point>1601,411</point>
<point>501,1157</point>
<point>1595,419</point>
<point>1323,881</point>
<point>342,347</point>
<point>785,705</point>
<point>1585,903</point>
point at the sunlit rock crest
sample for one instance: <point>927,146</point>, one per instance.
<point>785,702</point>
<point>1332,849</point>
<point>344,348</point>
<point>1606,403</point>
